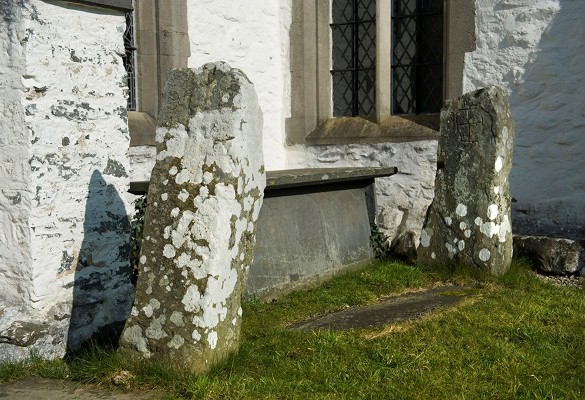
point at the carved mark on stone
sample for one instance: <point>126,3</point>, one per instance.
<point>469,124</point>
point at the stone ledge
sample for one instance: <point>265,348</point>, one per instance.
<point>115,4</point>
<point>290,178</point>
<point>551,255</point>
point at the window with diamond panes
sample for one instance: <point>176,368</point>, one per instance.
<point>353,32</point>
<point>129,60</point>
<point>417,56</point>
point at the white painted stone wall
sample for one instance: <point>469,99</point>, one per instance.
<point>252,36</point>
<point>536,50</point>
<point>63,227</point>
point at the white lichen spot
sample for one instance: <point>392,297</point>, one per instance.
<point>497,190</point>
<point>484,255</point>
<point>156,204</point>
<point>167,232</point>
<point>155,330</point>
<point>461,210</point>
<point>183,196</point>
<point>489,229</point>
<point>467,233</point>
<point>164,196</point>
<point>169,251</point>
<point>462,226</point>
<point>154,303</point>
<point>192,299</point>
<point>142,259</point>
<point>207,178</point>
<point>173,171</point>
<point>478,221</point>
<point>177,318</point>
<point>175,212</point>
<point>176,342</point>
<point>425,238</point>
<point>212,339</point>
<point>148,311</point>
<point>134,312</point>
<point>148,290</point>
<point>448,221</point>
<point>505,229</point>
<point>134,336</point>
<point>461,245</point>
<point>492,212</point>
<point>168,288</point>
<point>196,336</point>
<point>234,321</point>
<point>166,182</point>
<point>433,255</point>
<point>499,164</point>
<point>240,311</point>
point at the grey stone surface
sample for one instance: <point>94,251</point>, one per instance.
<point>393,310</point>
<point>305,236</point>
<point>203,202</point>
<point>550,255</point>
<point>469,219</point>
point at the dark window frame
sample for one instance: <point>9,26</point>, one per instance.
<point>412,93</point>
<point>350,77</point>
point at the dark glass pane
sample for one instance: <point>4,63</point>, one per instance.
<point>341,11</point>
<point>431,89</point>
<point>342,93</point>
<point>367,45</point>
<point>342,54</point>
<point>366,93</point>
<point>403,90</point>
<point>431,6</point>
<point>366,10</point>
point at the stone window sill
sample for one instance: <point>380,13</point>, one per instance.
<point>115,4</point>
<point>357,130</point>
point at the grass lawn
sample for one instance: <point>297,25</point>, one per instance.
<point>514,337</point>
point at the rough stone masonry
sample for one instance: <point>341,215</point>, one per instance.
<point>204,198</point>
<point>469,219</point>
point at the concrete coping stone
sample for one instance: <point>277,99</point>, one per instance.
<point>290,178</point>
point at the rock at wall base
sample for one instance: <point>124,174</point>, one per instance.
<point>550,255</point>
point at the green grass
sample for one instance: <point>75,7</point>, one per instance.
<point>512,338</point>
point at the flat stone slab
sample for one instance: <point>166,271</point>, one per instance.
<point>288,178</point>
<point>394,310</point>
<point>43,389</point>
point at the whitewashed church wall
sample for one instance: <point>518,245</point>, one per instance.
<point>15,180</point>
<point>536,50</point>
<point>252,36</point>
<point>64,175</point>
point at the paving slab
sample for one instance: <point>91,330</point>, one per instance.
<point>393,310</point>
<point>55,389</point>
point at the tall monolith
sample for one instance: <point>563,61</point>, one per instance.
<point>204,198</point>
<point>468,221</point>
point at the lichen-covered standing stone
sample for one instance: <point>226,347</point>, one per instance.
<point>205,194</point>
<point>468,221</point>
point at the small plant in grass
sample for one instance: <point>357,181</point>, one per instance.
<point>379,243</point>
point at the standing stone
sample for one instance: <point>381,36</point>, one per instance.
<point>469,219</point>
<point>205,194</point>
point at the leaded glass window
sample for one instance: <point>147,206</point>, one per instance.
<point>417,56</point>
<point>130,60</point>
<point>353,31</point>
